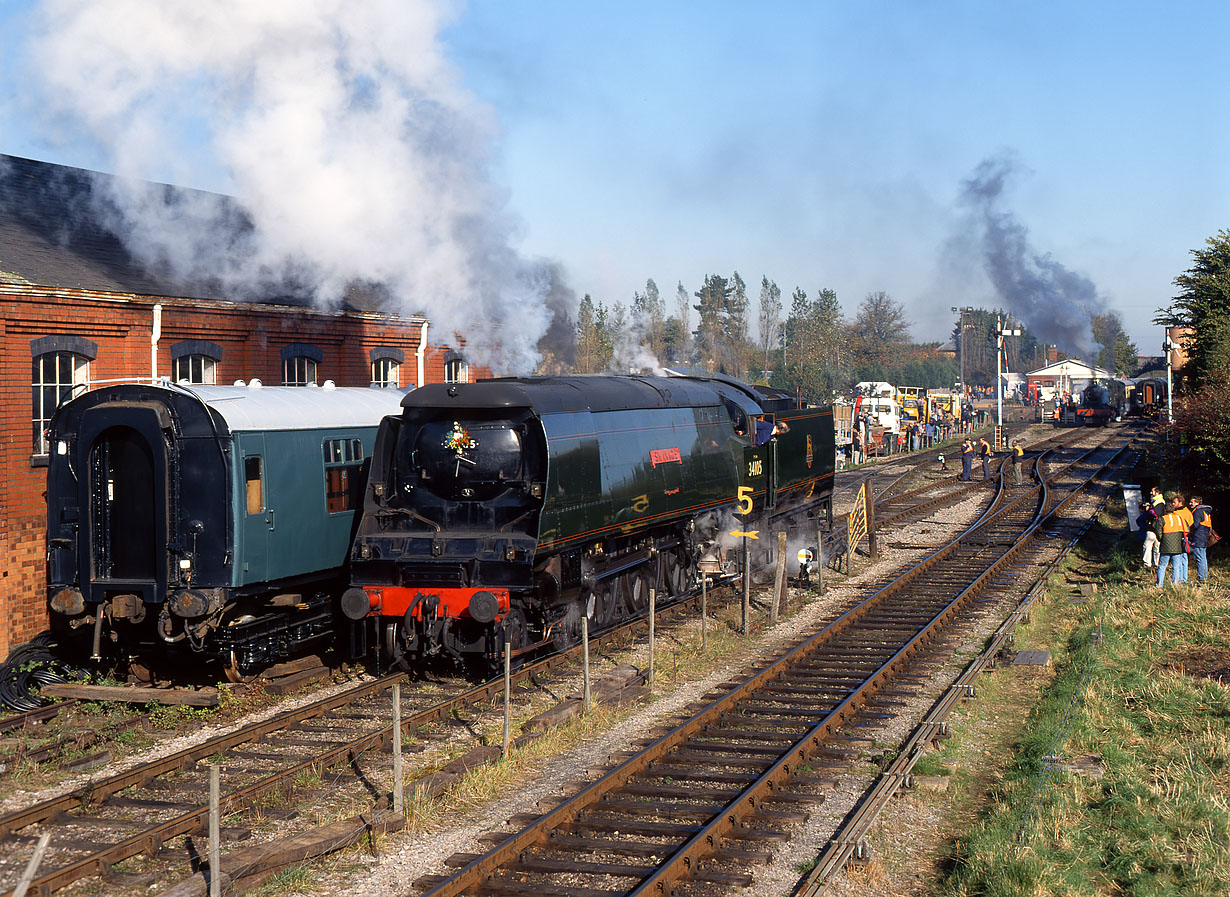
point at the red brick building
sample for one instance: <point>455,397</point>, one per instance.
<point>77,309</point>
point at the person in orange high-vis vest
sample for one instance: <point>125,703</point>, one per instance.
<point>1171,529</point>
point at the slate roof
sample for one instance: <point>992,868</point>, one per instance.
<point>53,234</point>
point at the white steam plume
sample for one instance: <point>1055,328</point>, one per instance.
<point>355,154</point>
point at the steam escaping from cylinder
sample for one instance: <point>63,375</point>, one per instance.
<point>356,158</point>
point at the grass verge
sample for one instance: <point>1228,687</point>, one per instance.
<point>1139,685</point>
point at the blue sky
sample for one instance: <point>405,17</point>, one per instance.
<point>822,144</point>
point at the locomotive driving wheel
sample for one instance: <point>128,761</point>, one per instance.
<point>605,603</point>
<point>673,576</point>
<point>635,586</point>
<point>516,630</point>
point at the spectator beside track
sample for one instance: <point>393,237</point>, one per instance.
<point>856,451</point>
<point>1202,516</point>
<point>984,454</point>
<point>1147,522</point>
<point>1171,529</point>
<point>967,459</point>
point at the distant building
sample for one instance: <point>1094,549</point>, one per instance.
<point>1062,378</point>
<point>78,309</point>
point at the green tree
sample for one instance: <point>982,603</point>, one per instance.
<point>1203,307</point>
<point>880,329</point>
<point>713,300</point>
<point>1118,353</point>
<point>648,320</point>
<point>770,318</point>
<point>587,335</point>
<point>815,358</point>
<point>683,347</point>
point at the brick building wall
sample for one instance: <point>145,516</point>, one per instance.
<point>251,339</point>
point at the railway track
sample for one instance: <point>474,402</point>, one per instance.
<point>141,810</point>
<point>710,796</point>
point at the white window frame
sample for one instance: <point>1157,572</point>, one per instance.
<point>386,373</point>
<point>299,370</point>
<point>195,369</point>
<point>47,394</point>
<point>456,371</point>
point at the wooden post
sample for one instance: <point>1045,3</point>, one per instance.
<point>398,782</point>
<point>215,831</point>
<point>747,585</point>
<point>820,558</point>
<point>507,699</point>
<point>872,550</point>
<point>653,601</point>
<point>779,581</point>
<point>36,860</point>
<point>585,661</point>
<point>704,611</point>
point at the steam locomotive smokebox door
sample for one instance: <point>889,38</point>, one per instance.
<point>125,489</point>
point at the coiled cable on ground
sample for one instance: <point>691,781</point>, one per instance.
<point>28,668</point>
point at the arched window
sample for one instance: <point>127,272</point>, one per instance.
<point>386,366</point>
<point>195,361</point>
<point>299,361</point>
<point>455,368</point>
<point>60,365</point>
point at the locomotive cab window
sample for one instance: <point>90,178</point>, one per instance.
<point>343,474</point>
<point>254,484</point>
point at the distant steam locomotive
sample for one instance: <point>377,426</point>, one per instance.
<point>500,513</point>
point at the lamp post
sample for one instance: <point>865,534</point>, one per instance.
<point>1000,333</point>
<point>1168,346</point>
<point>960,312</point>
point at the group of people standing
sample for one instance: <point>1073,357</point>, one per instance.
<point>967,457</point>
<point>1172,529</point>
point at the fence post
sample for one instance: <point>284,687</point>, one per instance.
<point>585,661</point>
<point>704,611</point>
<point>36,860</point>
<point>820,558</point>
<point>215,831</point>
<point>747,584</point>
<point>652,614</point>
<point>872,549</point>
<point>779,580</point>
<point>507,699</point>
<point>398,781</point>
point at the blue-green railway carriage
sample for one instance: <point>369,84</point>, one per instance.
<point>205,521</point>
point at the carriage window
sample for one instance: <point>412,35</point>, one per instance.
<point>343,474</point>
<point>252,478</point>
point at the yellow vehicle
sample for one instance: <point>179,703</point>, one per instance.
<point>913,402</point>
<point>942,402</point>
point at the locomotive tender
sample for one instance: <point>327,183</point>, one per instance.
<point>498,513</point>
<point>205,521</point>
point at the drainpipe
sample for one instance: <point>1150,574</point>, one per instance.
<point>154,336</point>
<point>421,353</point>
